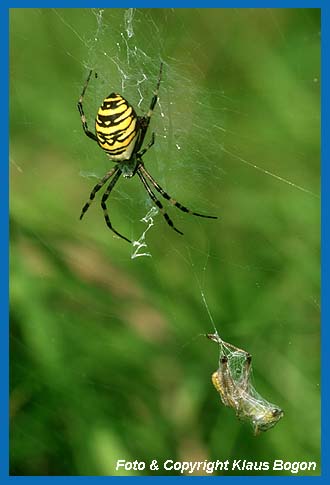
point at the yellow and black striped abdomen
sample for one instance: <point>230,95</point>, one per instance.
<point>116,127</point>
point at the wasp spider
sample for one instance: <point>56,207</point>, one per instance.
<point>121,133</point>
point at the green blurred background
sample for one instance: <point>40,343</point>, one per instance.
<point>108,360</point>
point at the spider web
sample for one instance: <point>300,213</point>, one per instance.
<point>126,67</point>
<point>181,152</point>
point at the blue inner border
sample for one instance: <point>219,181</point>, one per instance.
<point>4,210</point>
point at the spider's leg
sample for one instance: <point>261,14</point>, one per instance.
<point>145,120</point>
<point>157,202</point>
<point>152,141</point>
<point>155,96</point>
<point>140,154</point>
<point>96,189</point>
<point>81,110</point>
<point>104,206</point>
<point>169,198</point>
